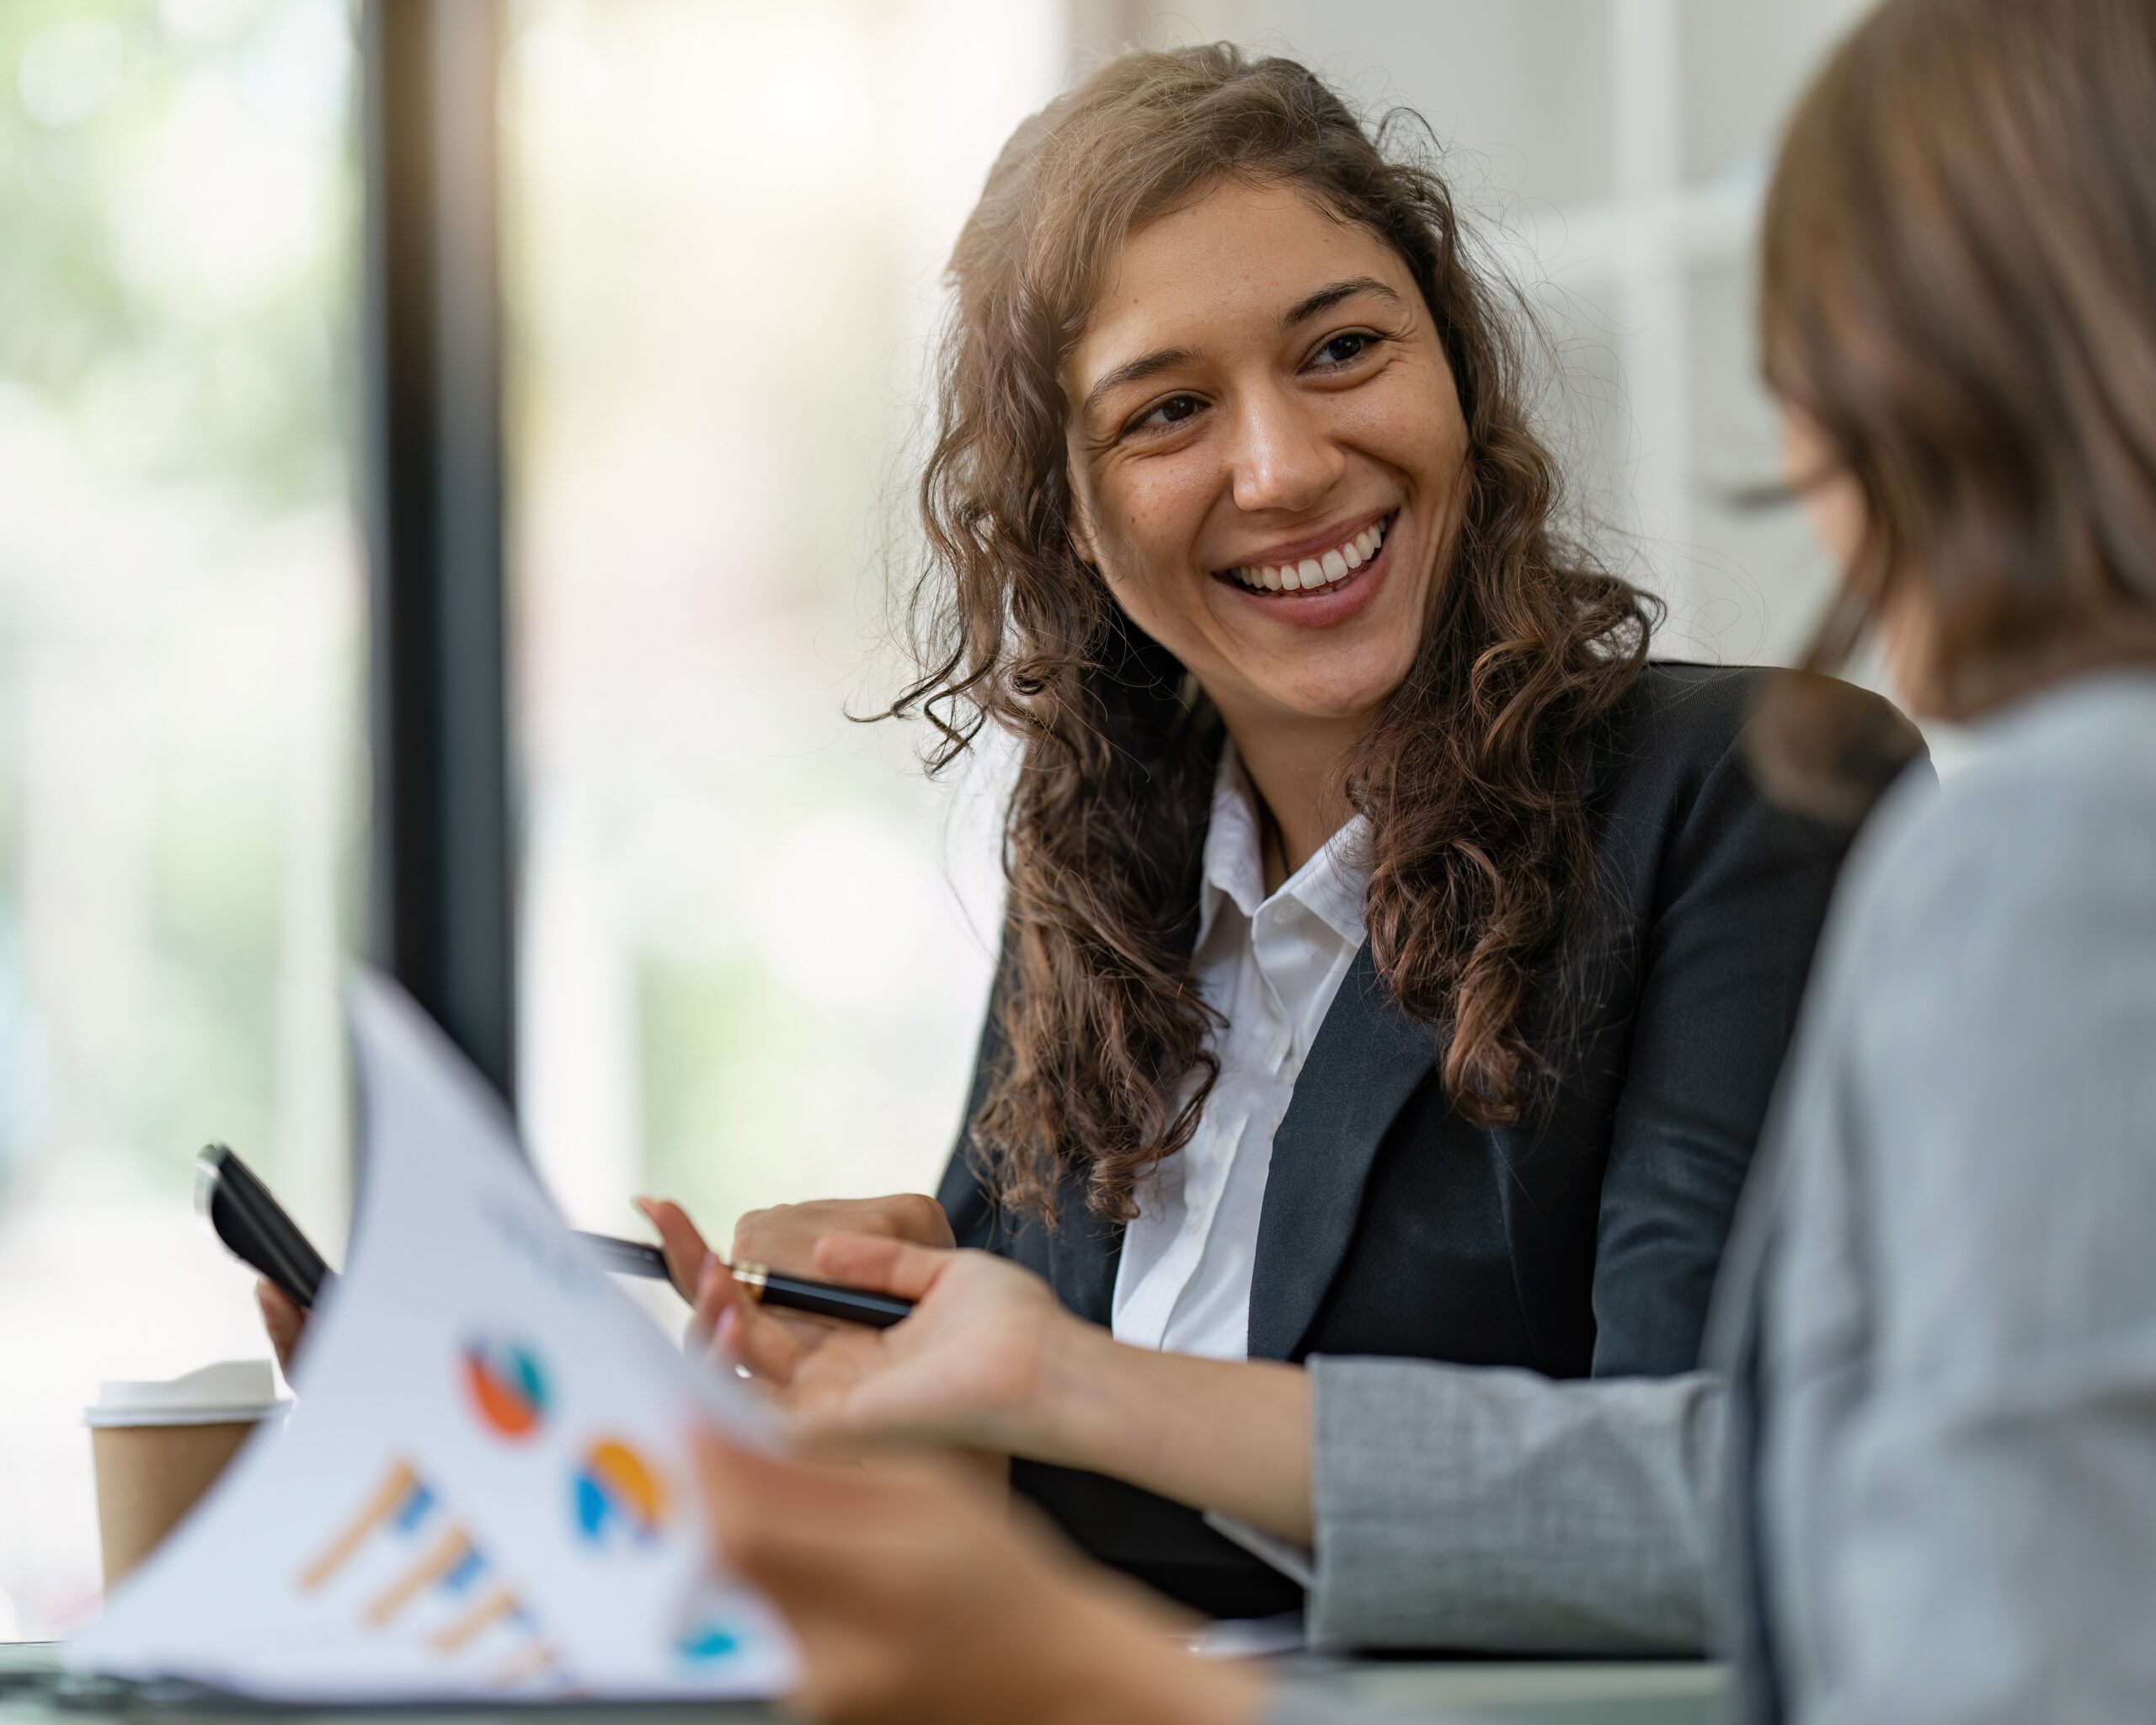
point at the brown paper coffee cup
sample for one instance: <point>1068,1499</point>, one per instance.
<point>159,1447</point>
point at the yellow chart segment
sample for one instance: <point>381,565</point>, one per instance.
<point>534,1661</point>
<point>475,1622</point>
<point>379,1509</point>
<point>443,1555</point>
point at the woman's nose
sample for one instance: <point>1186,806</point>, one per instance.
<point>1283,460</point>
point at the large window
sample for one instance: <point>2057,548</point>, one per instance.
<point>754,943</point>
<point>179,673</point>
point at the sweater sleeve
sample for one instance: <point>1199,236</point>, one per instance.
<point>1495,1509</point>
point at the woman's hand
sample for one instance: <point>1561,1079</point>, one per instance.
<point>784,1237</point>
<point>286,1323</point>
<point>990,1360</point>
<point>980,1365</point>
<point>781,1238</point>
<point>914,1599</point>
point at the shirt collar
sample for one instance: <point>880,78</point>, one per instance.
<point>1330,885</point>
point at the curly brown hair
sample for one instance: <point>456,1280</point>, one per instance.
<point>1480,853</point>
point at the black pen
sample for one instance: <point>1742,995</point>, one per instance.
<point>763,1285</point>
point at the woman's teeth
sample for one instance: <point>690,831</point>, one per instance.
<point>1335,565</point>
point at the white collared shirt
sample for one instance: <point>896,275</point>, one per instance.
<point>1270,966</point>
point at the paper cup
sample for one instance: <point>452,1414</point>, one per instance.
<point>159,1447</point>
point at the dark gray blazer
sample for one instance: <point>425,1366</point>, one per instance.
<point>1584,1244</point>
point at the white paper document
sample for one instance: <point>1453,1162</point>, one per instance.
<point>487,1489</point>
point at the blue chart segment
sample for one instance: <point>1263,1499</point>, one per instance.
<point>713,1641</point>
<point>711,1631</point>
<point>618,1498</point>
<point>412,1514</point>
<point>464,1573</point>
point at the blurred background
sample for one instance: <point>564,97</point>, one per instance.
<point>450,458</point>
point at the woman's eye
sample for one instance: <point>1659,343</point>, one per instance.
<point>1173,411</point>
<point>1345,348</point>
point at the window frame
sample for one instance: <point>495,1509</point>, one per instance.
<point>442,876</point>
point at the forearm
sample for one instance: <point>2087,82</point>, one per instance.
<point>1229,1436</point>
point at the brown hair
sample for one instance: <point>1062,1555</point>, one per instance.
<point>1959,286</point>
<point>1480,851</point>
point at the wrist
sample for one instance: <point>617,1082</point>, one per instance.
<point>1078,1417</point>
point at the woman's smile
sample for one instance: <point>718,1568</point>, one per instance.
<point>1324,578</point>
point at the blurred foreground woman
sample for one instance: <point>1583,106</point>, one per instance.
<point>1945,1369</point>
<point>1940,1314</point>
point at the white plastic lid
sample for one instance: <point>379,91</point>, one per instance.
<point>217,1394</point>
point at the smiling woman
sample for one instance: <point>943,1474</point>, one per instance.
<point>1289,347</point>
<point>1395,963</point>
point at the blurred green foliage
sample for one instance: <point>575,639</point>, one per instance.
<point>261,393</point>
<point>179,216</point>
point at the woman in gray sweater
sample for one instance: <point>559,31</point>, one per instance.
<point>1935,1464</point>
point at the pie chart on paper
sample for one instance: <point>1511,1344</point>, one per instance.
<point>506,1386</point>
<point>707,1641</point>
<point>618,1496</point>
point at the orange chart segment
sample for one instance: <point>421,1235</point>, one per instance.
<point>506,1386</point>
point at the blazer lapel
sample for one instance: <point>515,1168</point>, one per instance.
<point>1367,1059</point>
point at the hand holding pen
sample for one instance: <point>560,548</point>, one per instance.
<point>989,1361</point>
<point>759,1283</point>
<point>772,1250</point>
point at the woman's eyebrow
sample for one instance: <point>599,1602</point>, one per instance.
<point>1135,371</point>
<point>1326,298</point>
<point>1160,360</point>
